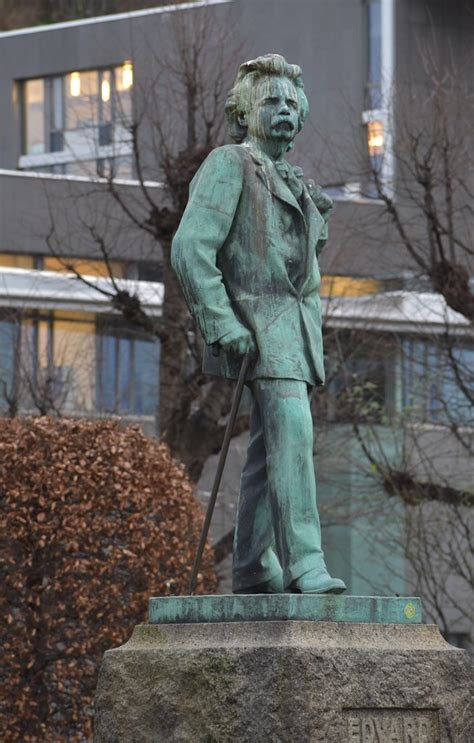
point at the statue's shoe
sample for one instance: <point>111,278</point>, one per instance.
<point>317,582</point>
<point>270,586</point>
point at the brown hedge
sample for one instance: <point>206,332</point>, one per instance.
<point>94,519</point>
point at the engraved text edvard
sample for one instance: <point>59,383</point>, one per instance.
<point>392,726</point>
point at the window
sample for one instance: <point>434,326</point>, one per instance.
<point>124,85</point>
<point>149,271</point>
<point>127,370</point>
<point>82,100</point>
<point>34,116</point>
<point>333,285</point>
<point>57,362</point>
<point>12,260</point>
<point>9,348</point>
<point>434,381</point>
<point>74,359</point>
<point>359,376</point>
<point>82,117</point>
<point>56,137</point>
<point>375,143</point>
<point>73,362</point>
<point>85,266</point>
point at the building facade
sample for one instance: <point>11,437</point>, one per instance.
<point>73,98</point>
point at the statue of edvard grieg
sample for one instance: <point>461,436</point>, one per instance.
<point>246,255</point>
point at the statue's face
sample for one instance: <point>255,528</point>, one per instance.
<point>273,113</point>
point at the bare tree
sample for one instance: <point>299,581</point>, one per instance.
<point>406,397</point>
<point>178,119</point>
<point>432,211</point>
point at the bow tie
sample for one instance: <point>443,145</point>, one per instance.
<point>294,183</point>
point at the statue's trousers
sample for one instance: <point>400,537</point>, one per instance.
<point>277,528</point>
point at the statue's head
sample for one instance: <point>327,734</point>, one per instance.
<point>267,101</point>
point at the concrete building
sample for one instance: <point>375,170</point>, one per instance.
<point>68,93</point>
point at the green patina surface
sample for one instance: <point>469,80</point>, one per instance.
<point>261,607</point>
<point>246,256</point>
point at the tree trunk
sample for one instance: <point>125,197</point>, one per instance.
<point>175,358</point>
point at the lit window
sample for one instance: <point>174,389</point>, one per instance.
<point>375,145</point>
<point>80,112</point>
<point>34,116</point>
<point>82,100</point>
<point>105,91</point>
<point>85,266</point>
<point>127,77</point>
<point>75,84</point>
<point>74,362</point>
<point>375,138</point>
<point>124,84</point>
<point>347,286</point>
<point>9,260</point>
<point>47,362</point>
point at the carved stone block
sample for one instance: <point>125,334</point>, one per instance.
<point>284,681</point>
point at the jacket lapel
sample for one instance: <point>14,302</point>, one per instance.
<point>268,175</point>
<point>315,224</point>
<point>308,211</point>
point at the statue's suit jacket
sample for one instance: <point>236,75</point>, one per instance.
<point>247,249</point>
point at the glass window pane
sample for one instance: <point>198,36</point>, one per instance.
<point>149,271</point>
<point>44,344</point>
<point>28,362</point>
<point>16,261</point>
<point>85,266</point>
<point>57,101</point>
<point>414,377</point>
<point>105,96</point>
<point>128,370</point>
<point>433,382</point>
<point>82,99</point>
<point>124,87</point>
<point>107,373</point>
<point>74,361</point>
<point>125,374</point>
<point>9,339</point>
<point>34,116</point>
<point>358,376</point>
<point>146,377</point>
<point>56,114</point>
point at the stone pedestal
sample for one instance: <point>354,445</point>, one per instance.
<point>297,681</point>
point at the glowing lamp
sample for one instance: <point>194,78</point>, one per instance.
<point>75,84</point>
<point>105,91</point>
<point>375,137</point>
<point>127,76</point>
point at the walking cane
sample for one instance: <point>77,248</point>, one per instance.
<point>220,468</point>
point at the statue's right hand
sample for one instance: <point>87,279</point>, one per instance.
<point>239,341</point>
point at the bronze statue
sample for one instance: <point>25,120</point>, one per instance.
<point>246,254</point>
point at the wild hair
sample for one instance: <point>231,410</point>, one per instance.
<point>240,98</point>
